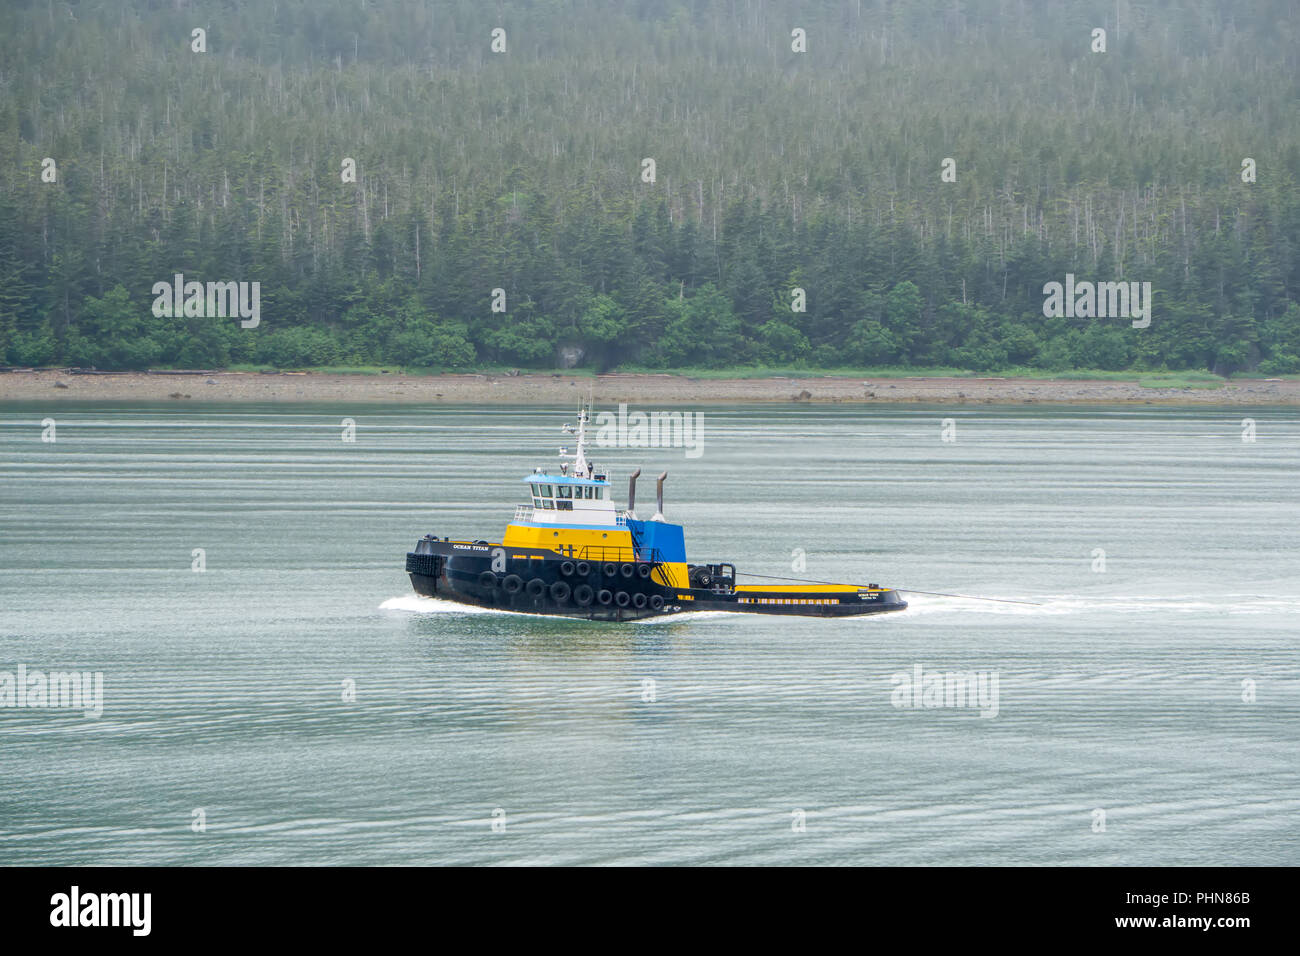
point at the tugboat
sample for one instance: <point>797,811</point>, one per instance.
<point>573,553</point>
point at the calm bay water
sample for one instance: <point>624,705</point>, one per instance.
<point>1121,690</point>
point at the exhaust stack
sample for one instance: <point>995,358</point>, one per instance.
<point>659,497</point>
<point>631,493</point>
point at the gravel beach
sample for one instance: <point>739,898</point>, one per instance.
<point>661,389</point>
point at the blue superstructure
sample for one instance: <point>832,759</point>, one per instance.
<point>565,480</point>
<point>667,539</point>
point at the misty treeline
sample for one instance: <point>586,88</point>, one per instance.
<point>774,171</point>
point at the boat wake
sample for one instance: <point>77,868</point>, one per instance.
<point>418,604</point>
<point>919,605</point>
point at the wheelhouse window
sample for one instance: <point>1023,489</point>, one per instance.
<point>537,490</point>
<point>564,491</point>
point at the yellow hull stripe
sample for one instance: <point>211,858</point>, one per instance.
<point>594,545</point>
<point>614,540</point>
<point>803,588</point>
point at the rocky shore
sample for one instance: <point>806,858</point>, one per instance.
<point>660,389</point>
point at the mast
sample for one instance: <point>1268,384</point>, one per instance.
<point>581,468</point>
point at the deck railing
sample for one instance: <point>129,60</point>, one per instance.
<point>601,552</point>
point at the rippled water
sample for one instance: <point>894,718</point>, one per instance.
<point>1119,690</point>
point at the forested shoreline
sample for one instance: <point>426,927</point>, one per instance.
<point>517,178</point>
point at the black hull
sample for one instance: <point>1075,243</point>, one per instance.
<point>546,582</point>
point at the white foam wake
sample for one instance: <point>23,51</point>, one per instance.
<point>419,604</point>
<point>919,604</point>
